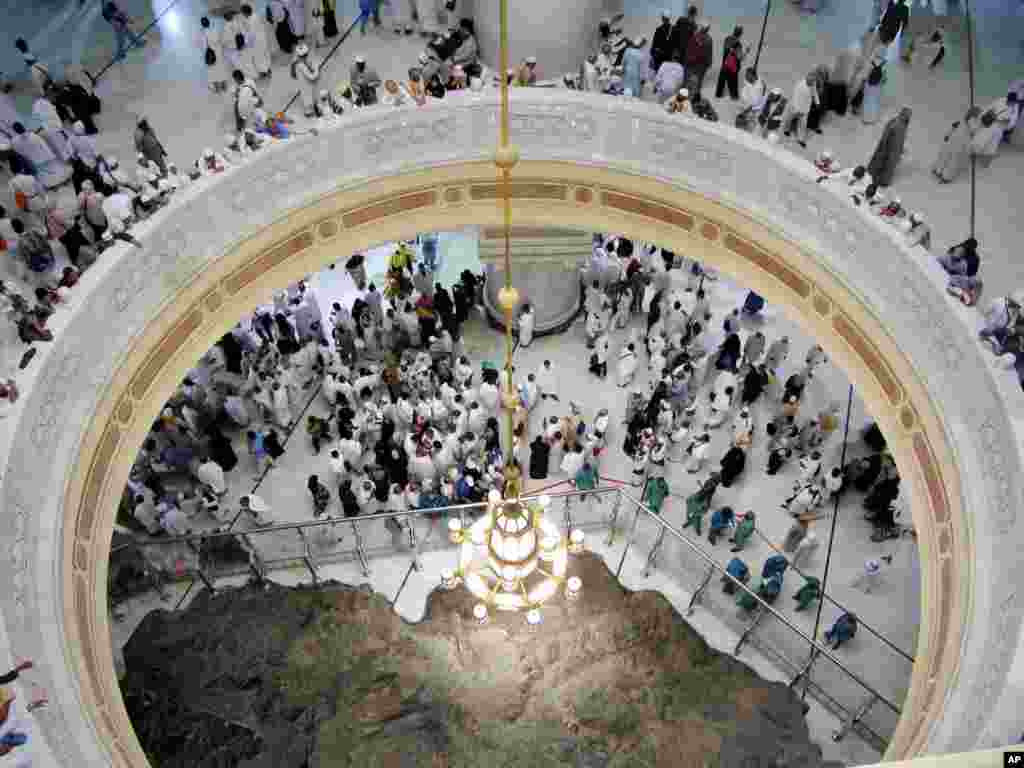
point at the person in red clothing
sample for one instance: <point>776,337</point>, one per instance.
<point>427,318</point>
<point>698,57</point>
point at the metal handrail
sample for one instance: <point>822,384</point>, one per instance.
<point>714,567</point>
<point>836,603</point>
<point>193,537</point>
<point>822,650</point>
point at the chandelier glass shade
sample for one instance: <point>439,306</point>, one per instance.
<point>514,557</point>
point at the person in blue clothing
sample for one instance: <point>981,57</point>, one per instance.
<point>634,67</point>
<point>844,628</point>
<point>739,571</point>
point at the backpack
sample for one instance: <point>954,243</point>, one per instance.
<point>109,11</point>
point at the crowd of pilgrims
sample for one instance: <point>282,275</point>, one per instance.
<point>406,420</point>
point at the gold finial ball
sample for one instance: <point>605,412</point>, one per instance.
<point>506,157</point>
<point>508,298</point>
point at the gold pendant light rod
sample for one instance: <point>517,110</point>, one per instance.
<point>505,158</point>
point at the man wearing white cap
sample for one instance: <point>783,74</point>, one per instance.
<point>307,74</point>
<point>680,103</point>
<point>365,81</point>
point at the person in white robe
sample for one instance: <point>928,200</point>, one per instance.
<point>217,74</point>
<point>307,74</point>
<point>235,46</point>
<point>627,365</point>
<point>47,166</point>
<point>1001,116</point>
<point>526,322</point>
<point>257,42</point>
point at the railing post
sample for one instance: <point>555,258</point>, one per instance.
<point>700,590</point>
<point>652,556</point>
<point>360,552</point>
<point>307,556</point>
<point>614,518</point>
<point>199,567</point>
<point>805,671</point>
<point>758,615</point>
<point>568,515</point>
<point>629,542</point>
<point>849,725</point>
<point>416,564</point>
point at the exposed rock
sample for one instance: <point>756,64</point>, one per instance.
<point>272,677</point>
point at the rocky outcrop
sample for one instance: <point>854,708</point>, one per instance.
<point>273,677</point>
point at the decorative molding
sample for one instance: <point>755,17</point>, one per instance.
<point>602,161</point>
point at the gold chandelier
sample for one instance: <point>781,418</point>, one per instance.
<point>513,557</point>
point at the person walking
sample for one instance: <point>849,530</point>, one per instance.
<point>661,43</point>
<point>146,143</point>
<point>805,96</point>
<point>256,42</point>
<point>894,21</point>
<point>277,16</point>
<point>634,68</point>
<point>216,65</point>
<point>870,100</point>
<point>122,24</point>
<point>699,54</point>
<point>889,151</point>
<point>733,54</point>
<point>954,152</point>
<point>682,31</point>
